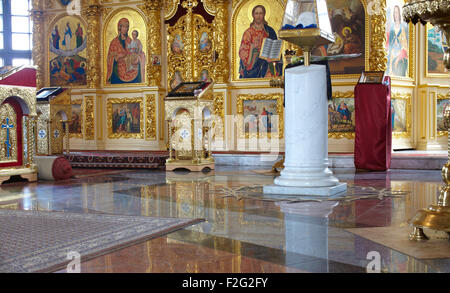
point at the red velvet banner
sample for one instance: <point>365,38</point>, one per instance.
<point>373,134</point>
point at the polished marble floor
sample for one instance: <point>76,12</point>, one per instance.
<point>244,234</point>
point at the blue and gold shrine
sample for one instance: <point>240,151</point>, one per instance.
<point>17,124</point>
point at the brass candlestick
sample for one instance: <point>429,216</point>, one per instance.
<point>435,217</point>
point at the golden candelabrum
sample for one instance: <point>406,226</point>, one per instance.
<point>435,217</point>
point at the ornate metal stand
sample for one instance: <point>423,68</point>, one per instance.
<point>436,217</point>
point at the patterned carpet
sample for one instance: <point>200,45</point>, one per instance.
<point>116,159</point>
<point>33,241</point>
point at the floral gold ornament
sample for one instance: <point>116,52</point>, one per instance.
<point>435,217</point>
<point>38,18</point>
<point>93,14</point>
<point>152,9</point>
<point>151,121</point>
<point>191,46</point>
<point>89,118</point>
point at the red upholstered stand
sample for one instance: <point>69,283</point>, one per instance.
<point>373,134</point>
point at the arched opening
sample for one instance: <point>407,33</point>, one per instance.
<point>14,111</point>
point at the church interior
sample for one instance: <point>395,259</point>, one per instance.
<point>187,136</point>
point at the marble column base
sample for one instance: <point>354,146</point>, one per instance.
<point>294,190</point>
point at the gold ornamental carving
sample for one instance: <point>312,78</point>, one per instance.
<point>8,134</point>
<point>38,19</point>
<point>25,93</point>
<point>152,9</point>
<point>93,14</point>
<point>222,65</point>
<point>219,115</point>
<point>150,121</point>
<point>378,55</point>
<point>190,46</point>
<point>42,126</point>
<point>89,121</point>
<point>170,8</point>
<point>211,5</point>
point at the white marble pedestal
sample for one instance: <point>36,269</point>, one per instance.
<point>306,169</point>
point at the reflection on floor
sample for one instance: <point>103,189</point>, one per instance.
<point>260,235</point>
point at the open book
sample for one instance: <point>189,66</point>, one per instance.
<point>271,49</point>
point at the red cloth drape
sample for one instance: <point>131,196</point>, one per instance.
<point>373,134</point>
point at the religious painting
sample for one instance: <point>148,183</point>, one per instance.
<point>156,60</point>
<point>67,52</point>
<point>177,79</point>
<point>254,21</point>
<point>205,43</point>
<point>436,47</point>
<point>341,116</point>
<point>441,107</point>
<point>125,118</point>
<point>347,54</point>
<point>75,124</point>
<point>177,45</point>
<point>204,76</point>
<point>262,115</point>
<point>397,40</point>
<point>398,115</point>
<point>125,42</point>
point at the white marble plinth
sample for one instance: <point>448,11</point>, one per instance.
<point>295,190</point>
<point>306,135</point>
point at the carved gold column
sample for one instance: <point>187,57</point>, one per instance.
<point>378,54</point>
<point>38,18</point>
<point>93,15</point>
<point>221,68</point>
<point>189,5</point>
<point>152,9</point>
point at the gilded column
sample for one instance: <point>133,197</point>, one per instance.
<point>93,15</point>
<point>152,9</point>
<point>221,68</point>
<point>38,18</point>
<point>378,55</point>
<point>189,69</point>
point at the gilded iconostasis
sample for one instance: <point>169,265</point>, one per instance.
<point>120,58</point>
